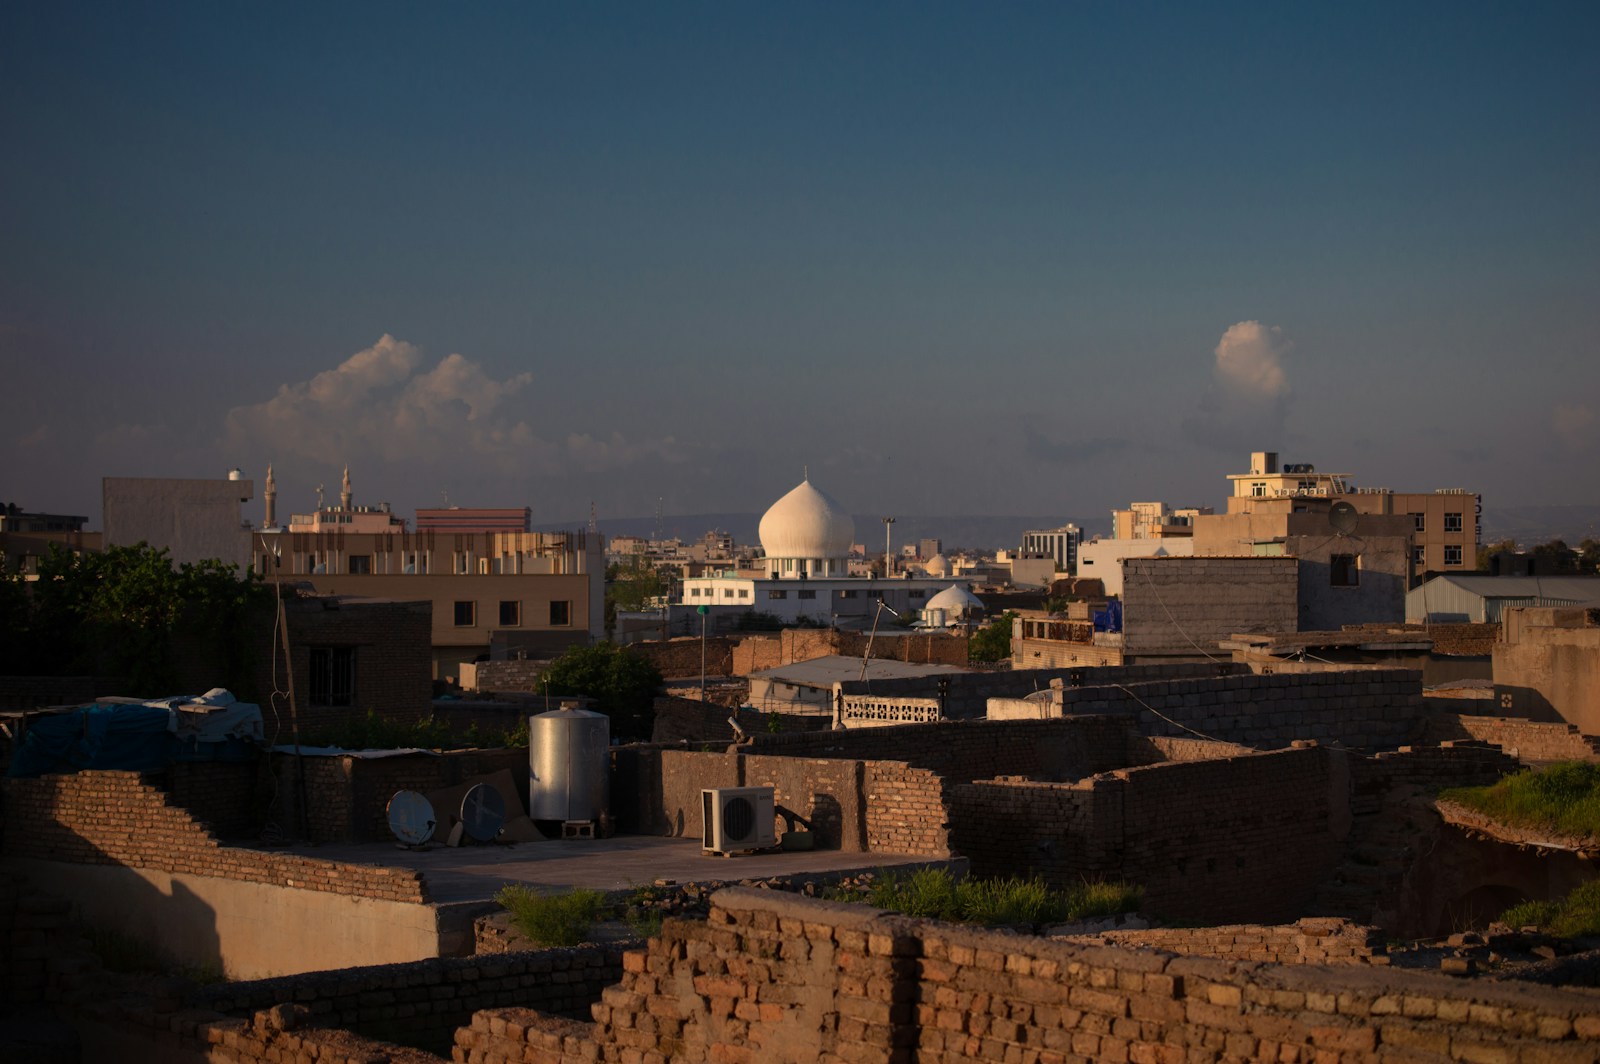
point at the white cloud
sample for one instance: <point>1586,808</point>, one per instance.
<point>1247,402</point>
<point>384,405</point>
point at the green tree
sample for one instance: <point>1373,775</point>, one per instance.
<point>1489,550</point>
<point>623,685</point>
<point>1554,557</point>
<point>992,642</point>
<point>1589,557</point>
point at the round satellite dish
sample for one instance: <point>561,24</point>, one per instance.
<point>483,812</point>
<point>411,818</point>
<point>1343,517</point>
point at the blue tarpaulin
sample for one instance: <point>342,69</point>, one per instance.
<point>138,737</point>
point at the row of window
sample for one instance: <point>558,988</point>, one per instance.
<point>783,593</point>
<point>466,614</point>
<point>1453,522</point>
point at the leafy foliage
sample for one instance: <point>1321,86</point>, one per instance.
<point>992,642</point>
<point>552,919</point>
<point>118,611</point>
<point>623,685</point>
<point>1564,798</point>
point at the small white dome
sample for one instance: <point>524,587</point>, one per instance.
<point>806,524</point>
<point>955,599</point>
<point>937,565</point>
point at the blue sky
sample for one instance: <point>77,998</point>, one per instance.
<point>954,258</point>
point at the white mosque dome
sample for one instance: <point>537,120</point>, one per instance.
<point>806,524</point>
<point>937,565</point>
<point>955,599</point>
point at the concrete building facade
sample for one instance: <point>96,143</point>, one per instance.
<point>195,520</point>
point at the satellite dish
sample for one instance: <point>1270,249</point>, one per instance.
<point>411,818</point>
<point>1343,517</point>
<point>483,812</point>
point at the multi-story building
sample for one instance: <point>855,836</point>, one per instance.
<point>475,519</point>
<point>1446,524</point>
<point>1058,544</point>
<point>1154,520</point>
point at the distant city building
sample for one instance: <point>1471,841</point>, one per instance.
<point>195,520</point>
<point>14,519</point>
<point>346,517</point>
<point>1446,523</point>
<point>1154,520</point>
<point>806,571</point>
<point>1058,544</point>
<point>928,548</point>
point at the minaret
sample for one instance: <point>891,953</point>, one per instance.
<point>344,492</point>
<point>271,496</point>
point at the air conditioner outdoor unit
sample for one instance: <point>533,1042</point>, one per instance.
<point>737,819</point>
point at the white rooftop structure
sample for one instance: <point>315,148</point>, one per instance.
<point>806,533</point>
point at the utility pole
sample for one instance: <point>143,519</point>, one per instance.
<point>888,563</point>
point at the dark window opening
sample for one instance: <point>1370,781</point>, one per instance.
<point>466,614</point>
<point>333,676</point>
<point>1344,571</point>
<point>510,614</point>
<point>560,613</point>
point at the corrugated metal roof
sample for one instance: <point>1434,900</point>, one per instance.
<point>1567,589</point>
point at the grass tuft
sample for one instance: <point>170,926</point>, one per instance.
<point>1001,902</point>
<point>1576,915</point>
<point>1563,798</point>
<point>552,919</point>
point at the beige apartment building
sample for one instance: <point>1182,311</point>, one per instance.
<point>1446,524</point>
<point>1155,520</point>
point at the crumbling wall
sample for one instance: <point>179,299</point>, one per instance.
<point>119,818</point>
<point>789,979</point>
<point>1238,838</point>
<point>1533,743</point>
<point>680,719</point>
<point>1313,940</point>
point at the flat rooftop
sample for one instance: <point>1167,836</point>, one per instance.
<point>472,873</point>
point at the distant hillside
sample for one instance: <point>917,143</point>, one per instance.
<point>1532,525</point>
<point>977,533</point>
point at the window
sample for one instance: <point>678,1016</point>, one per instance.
<point>466,614</point>
<point>1258,489</point>
<point>510,614</point>
<point>1452,522</point>
<point>561,613</point>
<point>1419,522</point>
<point>460,563</point>
<point>848,594</point>
<point>1452,555</point>
<point>808,594</point>
<point>727,592</point>
<point>777,594</point>
<point>360,565</point>
<point>333,676</point>
<point>1419,557</point>
<point>1344,570</point>
<point>744,592</point>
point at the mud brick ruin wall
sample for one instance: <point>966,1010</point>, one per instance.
<point>1464,763</point>
<point>1058,749</point>
<point>1241,838</point>
<point>1313,940</point>
<point>1530,742</point>
<point>966,695</point>
<point>1366,709</point>
<point>853,804</point>
<point>347,798</point>
<point>423,1003</point>
<point>122,818</point>
<point>689,719</point>
<point>1455,640</point>
<point>225,796</point>
<point>781,979</point>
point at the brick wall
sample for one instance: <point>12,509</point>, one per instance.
<point>1184,606</point>
<point>960,751</point>
<point>223,796</point>
<point>780,979</point>
<point>347,798</point>
<point>521,674</point>
<point>1313,940</point>
<point>1366,709</point>
<point>121,818</point>
<point>1452,640</point>
<point>1533,743</point>
<point>689,719</point>
<point>422,1003</point>
<point>1239,838</point>
<point>680,658</point>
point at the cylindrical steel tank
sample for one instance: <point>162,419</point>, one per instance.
<point>569,765</point>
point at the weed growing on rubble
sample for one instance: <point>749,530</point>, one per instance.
<point>1001,902</point>
<point>552,919</point>
<point>1576,915</point>
<point>1563,798</point>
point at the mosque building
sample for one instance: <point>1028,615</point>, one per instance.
<point>806,537</point>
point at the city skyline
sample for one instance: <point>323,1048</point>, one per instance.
<point>952,259</point>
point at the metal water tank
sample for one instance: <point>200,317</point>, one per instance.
<point>569,758</point>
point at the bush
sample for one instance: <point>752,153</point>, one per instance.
<point>623,685</point>
<point>992,642</point>
<point>552,919</point>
